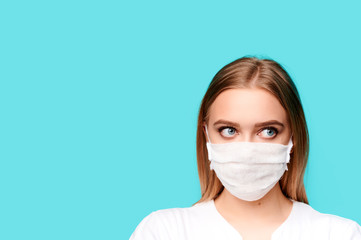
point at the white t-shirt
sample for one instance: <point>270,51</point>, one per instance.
<point>203,221</point>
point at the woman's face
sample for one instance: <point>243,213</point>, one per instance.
<point>248,115</point>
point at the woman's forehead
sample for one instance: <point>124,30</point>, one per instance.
<point>247,106</point>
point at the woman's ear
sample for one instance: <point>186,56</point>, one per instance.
<point>204,130</point>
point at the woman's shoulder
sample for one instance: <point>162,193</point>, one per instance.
<point>325,223</point>
<point>179,214</point>
<point>306,212</point>
<point>164,223</point>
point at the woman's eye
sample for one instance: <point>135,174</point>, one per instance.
<point>228,132</point>
<point>268,133</point>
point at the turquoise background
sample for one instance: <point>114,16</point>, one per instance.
<point>99,104</point>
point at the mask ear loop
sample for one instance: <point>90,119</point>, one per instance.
<point>207,134</point>
<point>290,145</point>
<point>209,148</point>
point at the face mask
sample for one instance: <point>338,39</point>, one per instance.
<point>248,170</point>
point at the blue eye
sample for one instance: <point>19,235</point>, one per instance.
<point>269,132</point>
<point>227,131</point>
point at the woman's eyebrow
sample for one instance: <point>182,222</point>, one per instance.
<point>267,123</point>
<point>261,124</point>
<point>221,121</point>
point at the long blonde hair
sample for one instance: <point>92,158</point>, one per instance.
<point>266,74</point>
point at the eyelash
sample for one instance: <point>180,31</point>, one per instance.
<point>224,127</point>
<point>259,131</point>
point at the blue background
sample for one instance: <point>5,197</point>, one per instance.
<point>99,104</point>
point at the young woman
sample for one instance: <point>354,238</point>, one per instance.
<point>252,150</point>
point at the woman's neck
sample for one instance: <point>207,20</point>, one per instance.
<point>274,206</point>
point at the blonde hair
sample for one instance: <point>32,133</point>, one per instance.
<point>266,74</point>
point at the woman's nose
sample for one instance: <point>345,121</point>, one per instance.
<point>245,137</point>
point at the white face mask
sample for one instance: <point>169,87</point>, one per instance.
<point>249,170</point>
